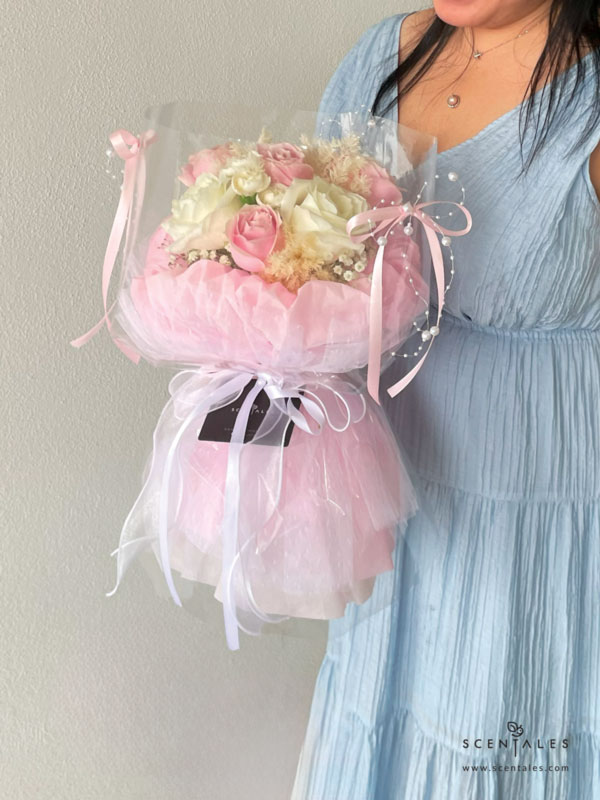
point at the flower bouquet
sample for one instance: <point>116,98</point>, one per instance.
<point>273,275</point>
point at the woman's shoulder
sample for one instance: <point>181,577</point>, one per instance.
<point>372,56</point>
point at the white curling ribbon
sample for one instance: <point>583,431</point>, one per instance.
<point>315,409</point>
<point>195,393</point>
<point>216,390</point>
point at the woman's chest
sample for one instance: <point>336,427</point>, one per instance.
<point>482,97</point>
<point>460,95</point>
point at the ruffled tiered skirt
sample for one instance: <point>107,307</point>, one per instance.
<point>482,680</point>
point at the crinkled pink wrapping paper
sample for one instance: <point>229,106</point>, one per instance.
<point>212,313</point>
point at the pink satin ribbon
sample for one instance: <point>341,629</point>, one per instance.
<point>382,221</point>
<point>131,149</point>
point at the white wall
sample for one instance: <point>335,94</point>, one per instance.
<point>128,698</point>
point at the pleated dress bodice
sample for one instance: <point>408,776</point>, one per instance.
<point>506,403</point>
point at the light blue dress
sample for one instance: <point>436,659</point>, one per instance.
<point>495,615</point>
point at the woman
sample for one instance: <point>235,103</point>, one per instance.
<point>482,680</point>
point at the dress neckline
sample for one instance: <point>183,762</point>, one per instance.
<point>492,125</point>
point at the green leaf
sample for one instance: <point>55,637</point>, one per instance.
<point>248,201</point>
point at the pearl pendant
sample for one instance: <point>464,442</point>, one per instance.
<point>453,100</point>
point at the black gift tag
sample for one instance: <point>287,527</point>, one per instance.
<point>218,424</point>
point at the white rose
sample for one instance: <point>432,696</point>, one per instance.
<point>319,207</point>
<point>272,195</point>
<point>247,174</point>
<point>198,218</point>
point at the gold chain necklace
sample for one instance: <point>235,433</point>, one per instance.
<point>453,100</point>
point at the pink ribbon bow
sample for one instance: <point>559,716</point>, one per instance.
<point>381,222</point>
<point>131,149</point>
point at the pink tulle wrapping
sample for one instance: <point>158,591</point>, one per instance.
<point>344,494</point>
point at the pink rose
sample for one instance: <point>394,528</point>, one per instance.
<point>283,162</point>
<point>382,185</point>
<point>253,234</point>
<point>209,160</point>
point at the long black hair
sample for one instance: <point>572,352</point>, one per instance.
<point>573,24</point>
